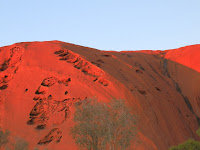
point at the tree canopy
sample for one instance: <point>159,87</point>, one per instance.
<point>190,144</point>
<point>103,125</point>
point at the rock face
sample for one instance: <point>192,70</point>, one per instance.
<point>40,81</point>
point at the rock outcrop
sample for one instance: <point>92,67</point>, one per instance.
<point>40,81</point>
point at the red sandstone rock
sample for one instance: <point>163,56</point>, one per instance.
<point>161,87</point>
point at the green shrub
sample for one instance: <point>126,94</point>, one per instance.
<point>198,132</point>
<point>190,144</point>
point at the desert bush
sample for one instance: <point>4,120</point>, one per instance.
<point>198,132</point>
<point>3,137</point>
<point>20,144</point>
<point>103,125</point>
<point>190,144</point>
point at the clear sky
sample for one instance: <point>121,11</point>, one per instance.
<point>102,24</point>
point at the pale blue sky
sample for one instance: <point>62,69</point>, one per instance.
<point>102,24</point>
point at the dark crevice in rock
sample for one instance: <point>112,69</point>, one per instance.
<point>155,116</point>
<point>97,64</point>
<point>54,135</point>
<point>3,87</point>
<point>142,92</point>
<point>138,71</point>
<point>157,89</point>
<point>95,79</point>
<point>178,89</point>
<point>165,68</point>
<point>41,127</point>
<point>106,55</point>
<point>100,61</point>
<point>157,73</point>
<point>187,102</point>
<point>140,66</point>
<point>4,66</point>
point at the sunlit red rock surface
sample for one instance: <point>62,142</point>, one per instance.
<point>40,81</point>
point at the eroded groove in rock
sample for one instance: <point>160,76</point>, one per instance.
<point>138,71</point>
<point>15,57</point>
<point>165,67</point>
<point>104,82</point>
<point>142,92</point>
<point>88,68</point>
<point>49,81</point>
<point>54,135</point>
<point>65,81</point>
<point>47,109</point>
<point>187,102</point>
<point>3,87</point>
<point>11,62</point>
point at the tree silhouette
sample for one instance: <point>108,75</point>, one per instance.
<point>103,125</point>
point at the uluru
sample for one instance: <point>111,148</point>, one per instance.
<point>40,82</point>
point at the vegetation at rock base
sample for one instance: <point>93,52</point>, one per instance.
<point>103,125</point>
<point>3,137</point>
<point>19,144</point>
<point>198,132</point>
<point>190,144</point>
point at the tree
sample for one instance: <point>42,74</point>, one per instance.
<point>188,145</point>
<point>4,137</point>
<point>21,144</point>
<point>103,125</point>
<point>198,132</point>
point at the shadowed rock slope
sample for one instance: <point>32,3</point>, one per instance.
<point>40,81</point>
